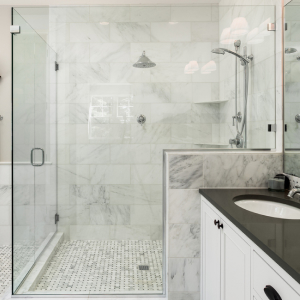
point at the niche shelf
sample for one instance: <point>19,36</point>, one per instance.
<point>213,144</point>
<point>208,102</point>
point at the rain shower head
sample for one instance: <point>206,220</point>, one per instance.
<point>144,62</point>
<point>290,50</point>
<point>223,50</point>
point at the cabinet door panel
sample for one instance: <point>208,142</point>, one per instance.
<point>211,245</point>
<point>264,274</point>
<point>235,266</point>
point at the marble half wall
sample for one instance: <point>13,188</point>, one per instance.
<point>186,172</point>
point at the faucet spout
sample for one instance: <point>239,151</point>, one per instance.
<point>294,191</point>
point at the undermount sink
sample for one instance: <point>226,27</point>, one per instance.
<point>269,208</point>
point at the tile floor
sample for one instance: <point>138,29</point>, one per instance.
<point>5,267</point>
<point>104,267</point>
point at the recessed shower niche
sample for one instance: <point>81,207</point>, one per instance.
<point>90,127</point>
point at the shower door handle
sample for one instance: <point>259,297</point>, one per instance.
<point>31,157</point>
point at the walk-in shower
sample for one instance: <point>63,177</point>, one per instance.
<point>240,141</point>
<point>98,93</point>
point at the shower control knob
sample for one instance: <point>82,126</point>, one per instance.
<point>141,119</point>
<point>297,118</point>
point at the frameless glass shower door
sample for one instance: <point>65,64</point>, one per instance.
<point>34,147</point>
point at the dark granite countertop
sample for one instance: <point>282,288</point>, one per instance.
<point>278,238</point>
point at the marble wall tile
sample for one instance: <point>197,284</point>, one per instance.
<point>184,295</point>
<point>89,32</point>
<point>146,214</point>
<point>151,92</point>
<point>201,92</point>
<point>157,151</point>
<point>80,215</point>
<point>89,232</point>
<point>89,194</point>
<point>170,113</point>
<point>74,14</point>
<point>184,274</point>
<point>150,133</point>
<point>89,154</point>
<point>184,206</point>
<point>185,52</point>
<point>110,214</point>
<point>146,174</point>
<point>191,13</point>
<point>205,32</point>
<point>186,171</point>
<point>89,73</point>
<point>110,14</point>
<point>156,232</point>
<point>130,32</point>
<point>150,14</point>
<point>68,174</point>
<point>125,73</point>
<point>181,92</point>
<point>5,215</point>
<point>72,52</point>
<point>111,89</point>
<point>129,232</point>
<point>59,33</point>
<point>191,133</point>
<point>158,52</point>
<point>73,93</point>
<point>110,174</point>
<point>130,154</point>
<point>5,194</point>
<point>184,240</point>
<point>169,72</point>
<point>166,32</point>
<point>241,170</point>
<point>109,52</point>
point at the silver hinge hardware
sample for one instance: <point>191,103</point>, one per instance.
<point>56,217</point>
<point>272,128</point>
<point>56,66</point>
<point>271,27</point>
<point>15,29</point>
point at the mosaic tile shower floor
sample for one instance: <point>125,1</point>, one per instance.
<point>104,267</point>
<point>5,268</point>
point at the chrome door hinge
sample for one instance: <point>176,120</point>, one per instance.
<point>271,26</point>
<point>56,66</point>
<point>272,128</point>
<point>15,29</point>
<point>285,26</point>
<point>56,218</point>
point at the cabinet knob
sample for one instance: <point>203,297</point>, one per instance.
<point>217,222</point>
<point>220,226</point>
<point>271,293</point>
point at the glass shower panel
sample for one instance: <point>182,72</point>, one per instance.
<point>34,147</point>
<point>248,25</point>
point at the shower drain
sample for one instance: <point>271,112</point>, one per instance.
<point>144,267</point>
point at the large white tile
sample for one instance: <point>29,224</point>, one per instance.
<point>89,154</point>
<point>205,32</point>
<point>74,14</point>
<point>146,214</point>
<point>150,14</point>
<point>110,14</point>
<point>186,52</point>
<point>146,174</point>
<point>191,13</point>
<point>130,154</point>
<point>109,52</point>
<point>130,32</point>
<point>110,174</point>
<point>151,92</point>
<point>89,32</point>
<point>169,72</point>
<point>166,32</point>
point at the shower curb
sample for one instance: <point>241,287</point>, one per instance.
<point>41,265</point>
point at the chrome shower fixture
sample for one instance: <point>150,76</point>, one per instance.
<point>144,62</point>
<point>223,50</point>
<point>290,50</point>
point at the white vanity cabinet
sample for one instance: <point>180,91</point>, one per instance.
<point>233,267</point>
<point>225,259</point>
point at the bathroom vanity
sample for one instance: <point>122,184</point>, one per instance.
<point>243,252</point>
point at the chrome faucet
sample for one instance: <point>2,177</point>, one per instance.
<point>294,191</point>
